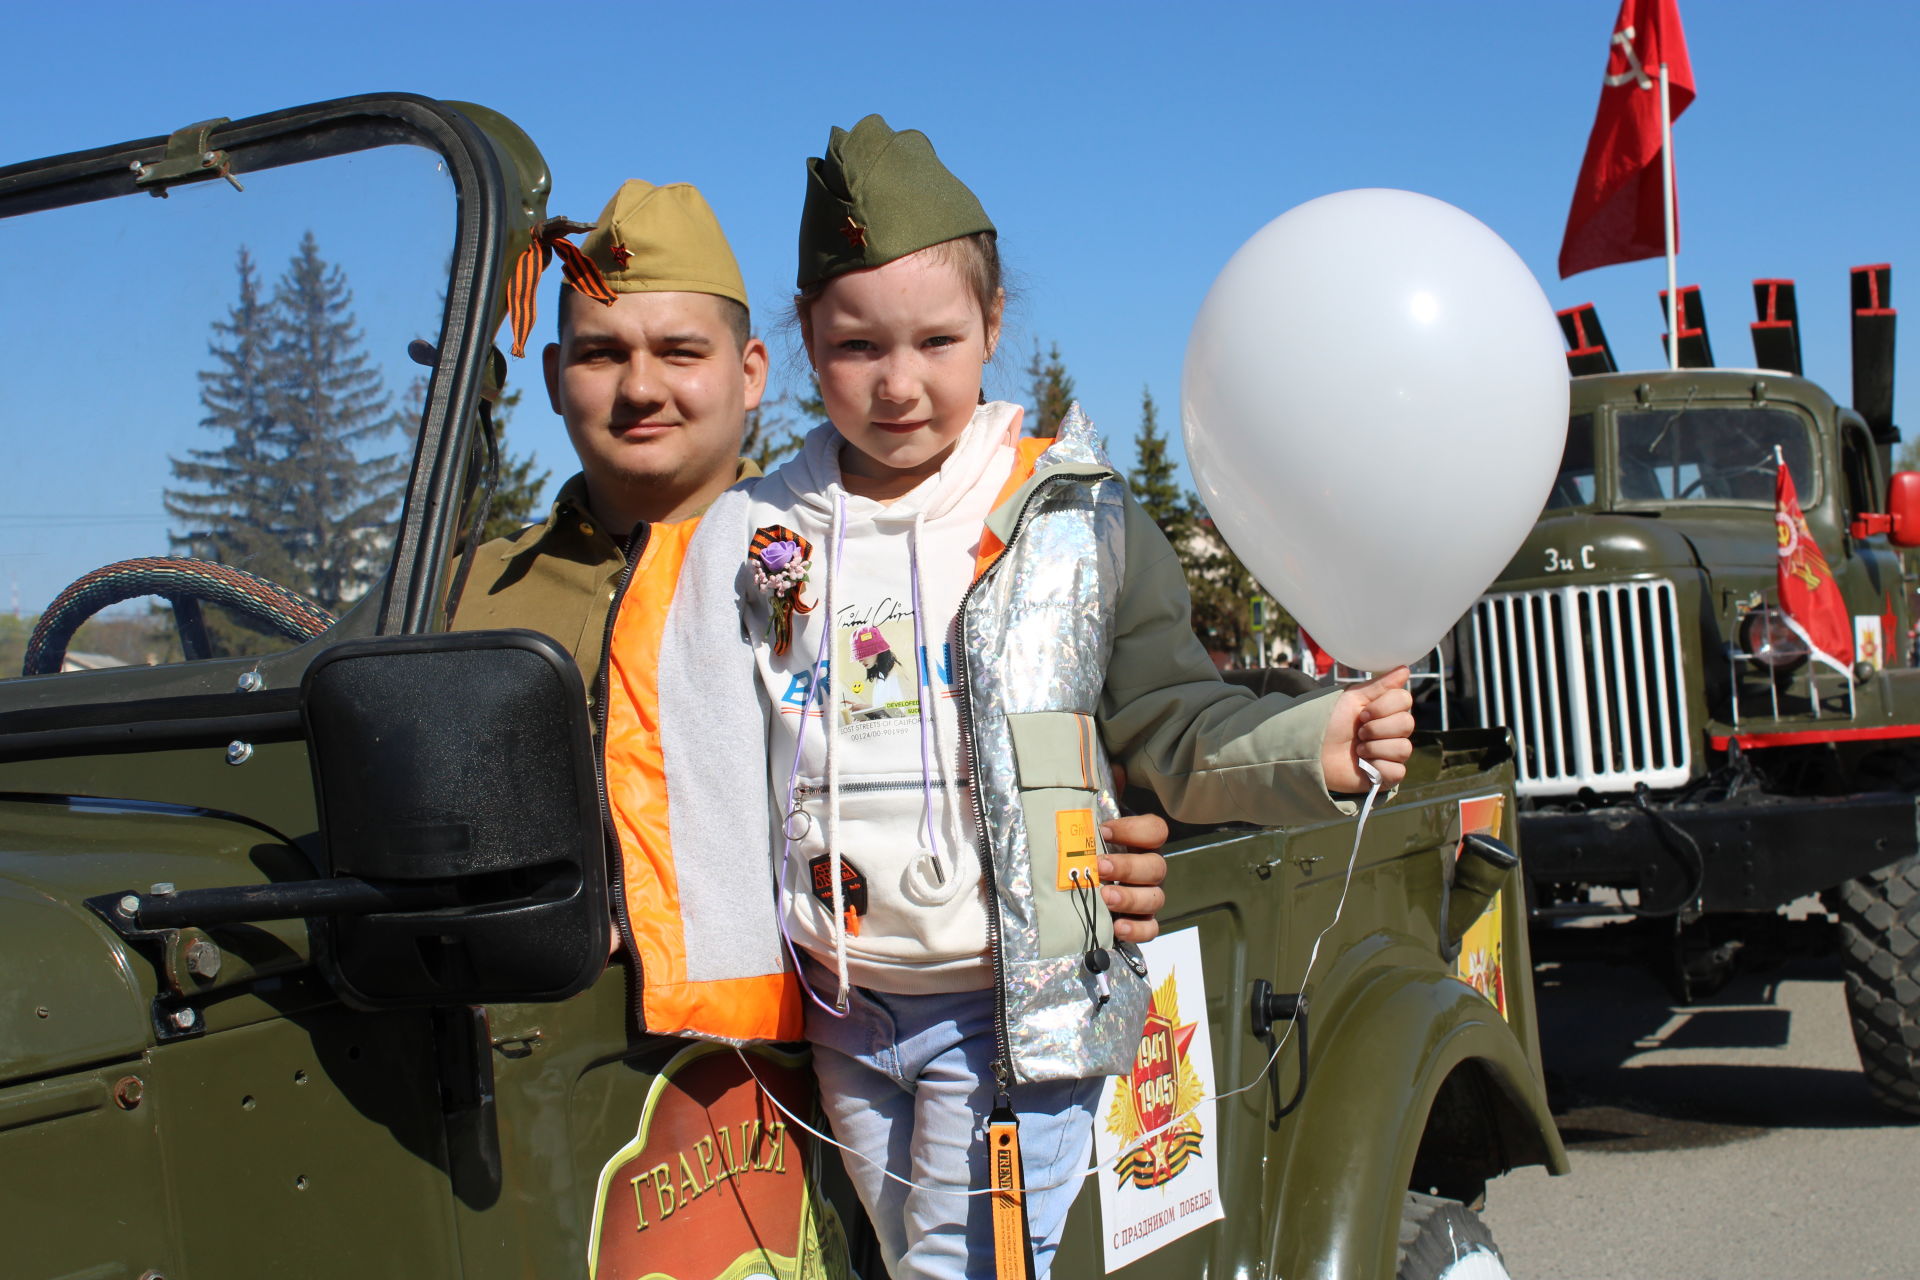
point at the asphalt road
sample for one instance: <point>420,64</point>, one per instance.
<point>1733,1137</point>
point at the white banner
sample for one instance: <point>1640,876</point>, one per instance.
<point>1156,1189</point>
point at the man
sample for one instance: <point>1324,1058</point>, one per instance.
<point>654,387</point>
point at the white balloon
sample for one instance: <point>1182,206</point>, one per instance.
<point>1375,403</point>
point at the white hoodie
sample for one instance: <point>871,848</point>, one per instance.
<point>899,802</point>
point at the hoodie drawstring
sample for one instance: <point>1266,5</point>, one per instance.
<point>832,719</point>
<point>934,878</point>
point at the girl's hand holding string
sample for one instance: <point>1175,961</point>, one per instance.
<point>1372,722</point>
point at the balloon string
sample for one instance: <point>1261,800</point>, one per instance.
<point>1280,1043</point>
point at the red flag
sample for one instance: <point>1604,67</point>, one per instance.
<point>1314,660</point>
<point>1616,214</point>
<point>1808,594</point>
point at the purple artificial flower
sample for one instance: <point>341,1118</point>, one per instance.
<point>778,555</point>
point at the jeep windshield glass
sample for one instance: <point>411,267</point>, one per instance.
<point>1712,454</point>
<point>212,394</point>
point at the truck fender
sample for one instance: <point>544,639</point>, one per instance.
<point>1380,1064</point>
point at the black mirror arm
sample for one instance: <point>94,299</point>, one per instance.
<point>131,914</point>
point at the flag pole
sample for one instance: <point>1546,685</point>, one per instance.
<point>1666,173</point>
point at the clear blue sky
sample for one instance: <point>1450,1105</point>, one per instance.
<point>1125,150</point>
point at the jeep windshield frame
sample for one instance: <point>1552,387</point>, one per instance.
<point>428,524</point>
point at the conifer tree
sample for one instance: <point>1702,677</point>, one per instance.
<point>517,491</point>
<point>1152,477</point>
<point>1050,389</point>
<point>332,408</point>
<point>227,506</point>
<point>772,435</point>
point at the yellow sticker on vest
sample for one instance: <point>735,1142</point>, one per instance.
<point>1079,845</point>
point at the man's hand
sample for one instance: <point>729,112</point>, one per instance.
<point>1130,882</point>
<point>1373,722</point>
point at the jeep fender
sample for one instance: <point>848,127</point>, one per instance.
<point>1376,1068</point>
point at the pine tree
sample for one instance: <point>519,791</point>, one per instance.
<point>1050,388</point>
<point>1221,587</point>
<point>332,408</point>
<point>517,491</point>
<point>1152,477</point>
<point>772,435</point>
<point>228,505</point>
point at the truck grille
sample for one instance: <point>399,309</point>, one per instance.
<point>1589,680</point>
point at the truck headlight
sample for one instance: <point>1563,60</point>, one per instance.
<point>1768,640</point>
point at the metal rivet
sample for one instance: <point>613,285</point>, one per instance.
<point>203,959</point>
<point>300,1182</point>
<point>183,1019</point>
<point>136,166</point>
<point>239,752</point>
<point>207,156</point>
<point>151,1275</point>
<point>161,888</point>
<point>42,1011</point>
<point>251,682</point>
<point>127,1092</point>
<point>299,1077</point>
<point>130,905</point>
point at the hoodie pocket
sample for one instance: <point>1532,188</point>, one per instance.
<point>1058,760</point>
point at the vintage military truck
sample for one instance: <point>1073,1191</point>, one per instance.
<point>303,899</point>
<point>1674,740</point>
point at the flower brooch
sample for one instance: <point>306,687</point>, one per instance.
<point>781,560</point>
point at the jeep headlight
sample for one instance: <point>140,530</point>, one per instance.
<point>1766,638</point>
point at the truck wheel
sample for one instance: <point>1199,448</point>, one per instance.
<point>1444,1240</point>
<point>1880,941</point>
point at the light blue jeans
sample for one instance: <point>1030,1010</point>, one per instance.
<point>907,1081</point>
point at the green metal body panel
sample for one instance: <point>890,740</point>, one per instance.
<point>290,1135</point>
<point>1320,1194</point>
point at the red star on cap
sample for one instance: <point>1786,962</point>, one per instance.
<point>855,233</point>
<point>620,253</point>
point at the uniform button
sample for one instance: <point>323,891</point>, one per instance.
<point>586,528</point>
<point>611,593</point>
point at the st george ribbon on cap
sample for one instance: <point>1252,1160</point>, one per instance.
<point>649,239</point>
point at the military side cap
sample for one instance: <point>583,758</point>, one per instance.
<point>876,196</point>
<point>663,240</point>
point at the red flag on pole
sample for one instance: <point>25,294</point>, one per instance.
<point>1616,214</point>
<point>1808,595</point>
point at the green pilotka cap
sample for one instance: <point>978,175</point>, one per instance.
<point>876,196</point>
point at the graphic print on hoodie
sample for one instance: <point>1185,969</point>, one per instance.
<point>881,686</point>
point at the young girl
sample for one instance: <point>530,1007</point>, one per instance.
<point>938,877</point>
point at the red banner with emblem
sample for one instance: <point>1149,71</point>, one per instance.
<point>1808,595</point>
<point>1617,213</point>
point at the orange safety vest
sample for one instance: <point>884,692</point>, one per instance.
<point>736,1006</point>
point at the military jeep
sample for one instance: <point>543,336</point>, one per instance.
<point>304,898</point>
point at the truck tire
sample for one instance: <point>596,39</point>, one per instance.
<point>1444,1240</point>
<point>1880,943</point>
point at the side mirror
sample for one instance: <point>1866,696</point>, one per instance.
<point>1901,522</point>
<point>456,772</point>
<point>1903,505</point>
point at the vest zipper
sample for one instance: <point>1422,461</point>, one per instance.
<point>1002,1037</point>
<point>849,788</point>
<point>636,544</point>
